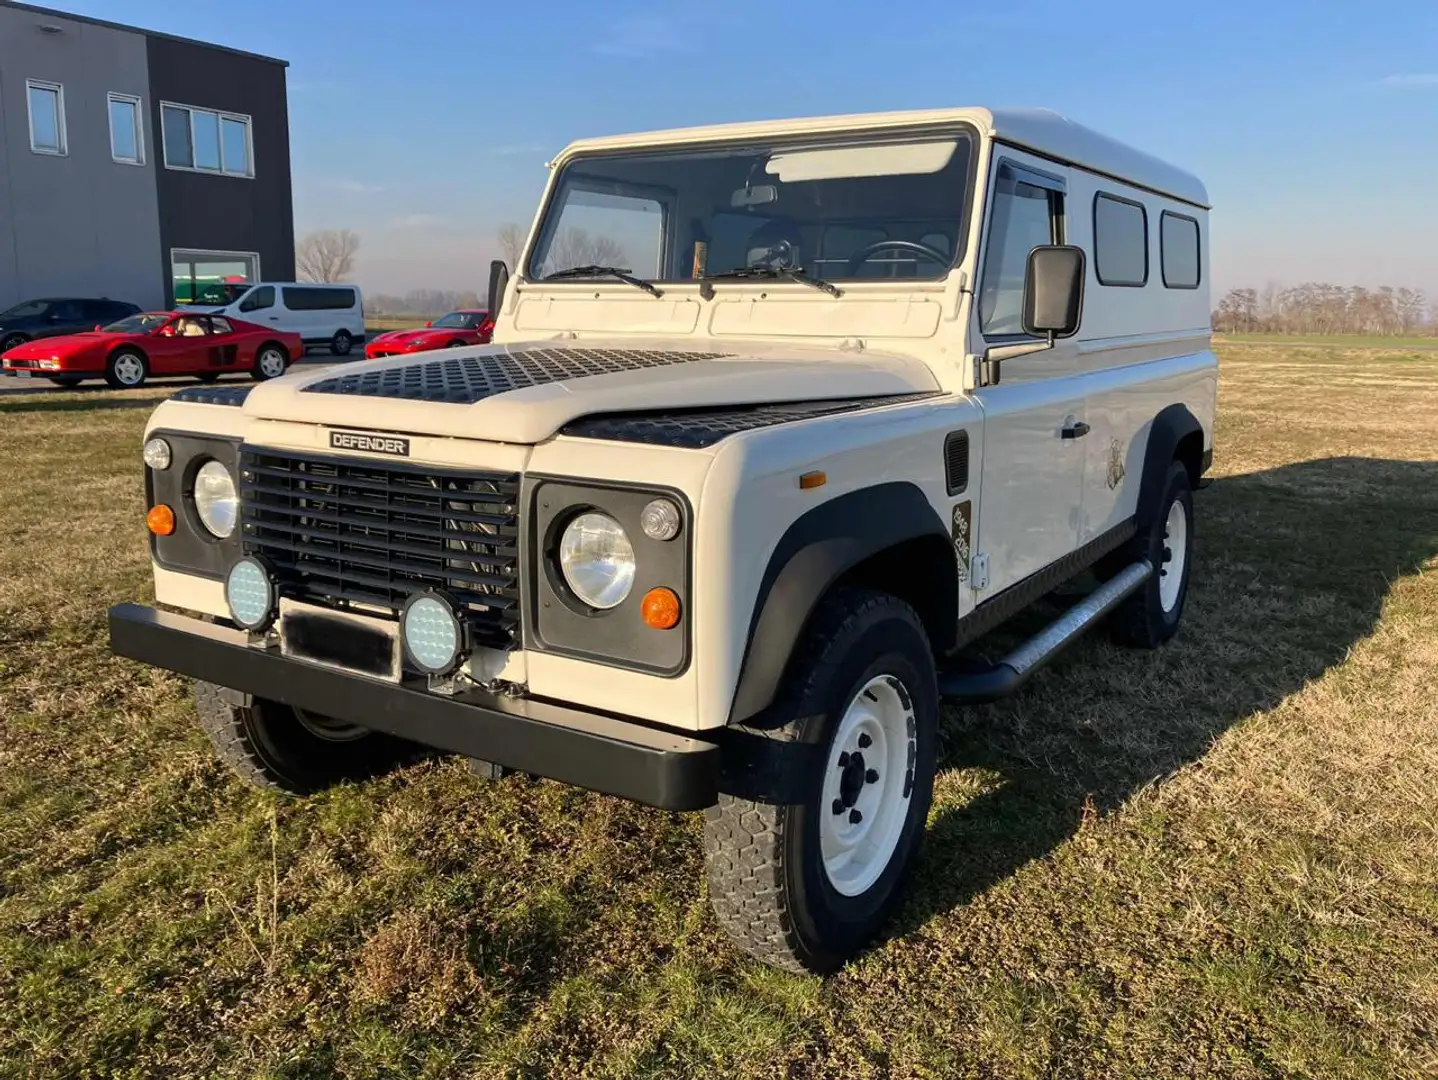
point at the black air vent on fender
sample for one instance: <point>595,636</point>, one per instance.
<point>956,461</point>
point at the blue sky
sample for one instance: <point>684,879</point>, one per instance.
<point>426,125</point>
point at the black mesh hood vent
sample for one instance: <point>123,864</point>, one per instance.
<point>464,380</point>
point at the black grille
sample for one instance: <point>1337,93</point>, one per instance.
<point>956,461</point>
<point>341,531</point>
<point>697,428</point>
<point>464,380</point>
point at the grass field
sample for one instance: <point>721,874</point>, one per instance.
<point>1348,341</point>
<point>1217,860</point>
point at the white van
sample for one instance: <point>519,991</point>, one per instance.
<point>324,315</point>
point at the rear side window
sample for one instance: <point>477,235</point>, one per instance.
<point>318,299</point>
<point>259,299</point>
<point>1120,241</point>
<point>1178,250</point>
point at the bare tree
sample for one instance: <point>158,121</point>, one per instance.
<point>575,247</point>
<point>511,244</point>
<point>1317,307</point>
<point>327,255</point>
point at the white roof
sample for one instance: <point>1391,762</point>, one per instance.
<point>1041,130</point>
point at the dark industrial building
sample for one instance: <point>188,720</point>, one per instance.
<point>137,166</point>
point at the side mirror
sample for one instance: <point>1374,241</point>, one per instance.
<point>429,322</point>
<point>1053,292</point>
<point>498,282</point>
<point>99,326</point>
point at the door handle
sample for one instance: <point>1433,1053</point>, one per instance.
<point>1076,430</point>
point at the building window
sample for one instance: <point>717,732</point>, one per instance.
<point>47,116</point>
<point>204,140</point>
<point>127,141</point>
<point>1120,241</point>
<point>1178,250</point>
<point>212,277</point>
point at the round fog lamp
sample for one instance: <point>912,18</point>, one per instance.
<point>431,634</point>
<point>660,520</point>
<point>157,454</point>
<point>250,592</point>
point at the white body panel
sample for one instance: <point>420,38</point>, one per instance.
<point>1034,495</point>
<point>315,325</point>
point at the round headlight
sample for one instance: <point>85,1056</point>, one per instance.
<point>431,634</point>
<point>660,520</point>
<point>250,593</point>
<point>215,499</point>
<point>597,560</point>
<point>157,454</point>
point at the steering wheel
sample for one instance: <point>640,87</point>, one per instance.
<point>864,254</point>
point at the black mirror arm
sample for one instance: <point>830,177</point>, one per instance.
<point>991,363</point>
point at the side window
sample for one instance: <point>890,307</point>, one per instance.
<point>604,229</point>
<point>1178,250</point>
<point>315,298</point>
<point>1120,241</point>
<point>1025,215</point>
<point>259,299</point>
<point>219,325</point>
<point>69,311</point>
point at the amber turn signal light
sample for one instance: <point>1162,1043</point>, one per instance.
<point>660,609</point>
<point>161,520</point>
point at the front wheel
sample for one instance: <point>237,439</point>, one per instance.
<point>1150,616</point>
<point>11,341</point>
<point>270,363</point>
<point>341,343</point>
<point>806,884</point>
<point>126,369</point>
<point>274,746</point>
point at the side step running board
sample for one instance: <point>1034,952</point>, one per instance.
<point>1013,671</point>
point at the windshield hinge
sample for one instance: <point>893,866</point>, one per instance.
<point>852,344</point>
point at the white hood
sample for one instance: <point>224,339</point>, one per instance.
<point>525,392</point>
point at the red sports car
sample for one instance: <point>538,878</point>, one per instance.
<point>157,343</point>
<point>467,327</point>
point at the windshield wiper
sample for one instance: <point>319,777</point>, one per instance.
<point>784,273</point>
<point>620,272</point>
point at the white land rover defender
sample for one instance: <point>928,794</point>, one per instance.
<point>778,419</point>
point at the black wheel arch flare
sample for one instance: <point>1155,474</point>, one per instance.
<point>819,550</point>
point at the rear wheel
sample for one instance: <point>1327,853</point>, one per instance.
<point>274,746</point>
<point>270,362</point>
<point>1150,616</point>
<point>126,369</point>
<point>805,884</point>
<point>341,343</point>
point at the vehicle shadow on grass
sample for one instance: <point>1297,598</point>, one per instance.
<point>1292,568</point>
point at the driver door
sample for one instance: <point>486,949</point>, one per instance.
<point>222,348</point>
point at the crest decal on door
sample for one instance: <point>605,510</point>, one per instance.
<point>1115,464</point>
<point>961,527</point>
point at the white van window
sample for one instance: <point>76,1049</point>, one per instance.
<point>1178,250</point>
<point>1120,241</point>
<point>257,299</point>
<point>318,299</point>
<point>1025,216</point>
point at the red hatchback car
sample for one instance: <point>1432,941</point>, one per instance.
<point>158,343</point>
<point>466,327</point>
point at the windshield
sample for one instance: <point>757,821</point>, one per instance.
<point>862,211</point>
<point>456,320</point>
<point>28,310</point>
<point>138,324</point>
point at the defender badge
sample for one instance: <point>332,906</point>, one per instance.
<point>369,443</point>
<point>1115,464</point>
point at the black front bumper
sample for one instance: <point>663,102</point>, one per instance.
<point>589,750</point>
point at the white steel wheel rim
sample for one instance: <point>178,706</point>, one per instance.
<point>129,370</point>
<point>272,363</point>
<point>867,788</point>
<point>1175,545</point>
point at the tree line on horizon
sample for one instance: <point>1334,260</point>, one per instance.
<point>1323,308</point>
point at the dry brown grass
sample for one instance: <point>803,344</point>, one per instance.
<point>1220,859</point>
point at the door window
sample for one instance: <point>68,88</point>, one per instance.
<point>219,325</point>
<point>1025,215</point>
<point>259,299</point>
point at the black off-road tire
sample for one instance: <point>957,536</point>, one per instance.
<point>767,882</point>
<point>266,745</point>
<point>1141,621</point>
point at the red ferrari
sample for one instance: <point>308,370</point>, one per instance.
<point>467,327</point>
<point>158,343</point>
